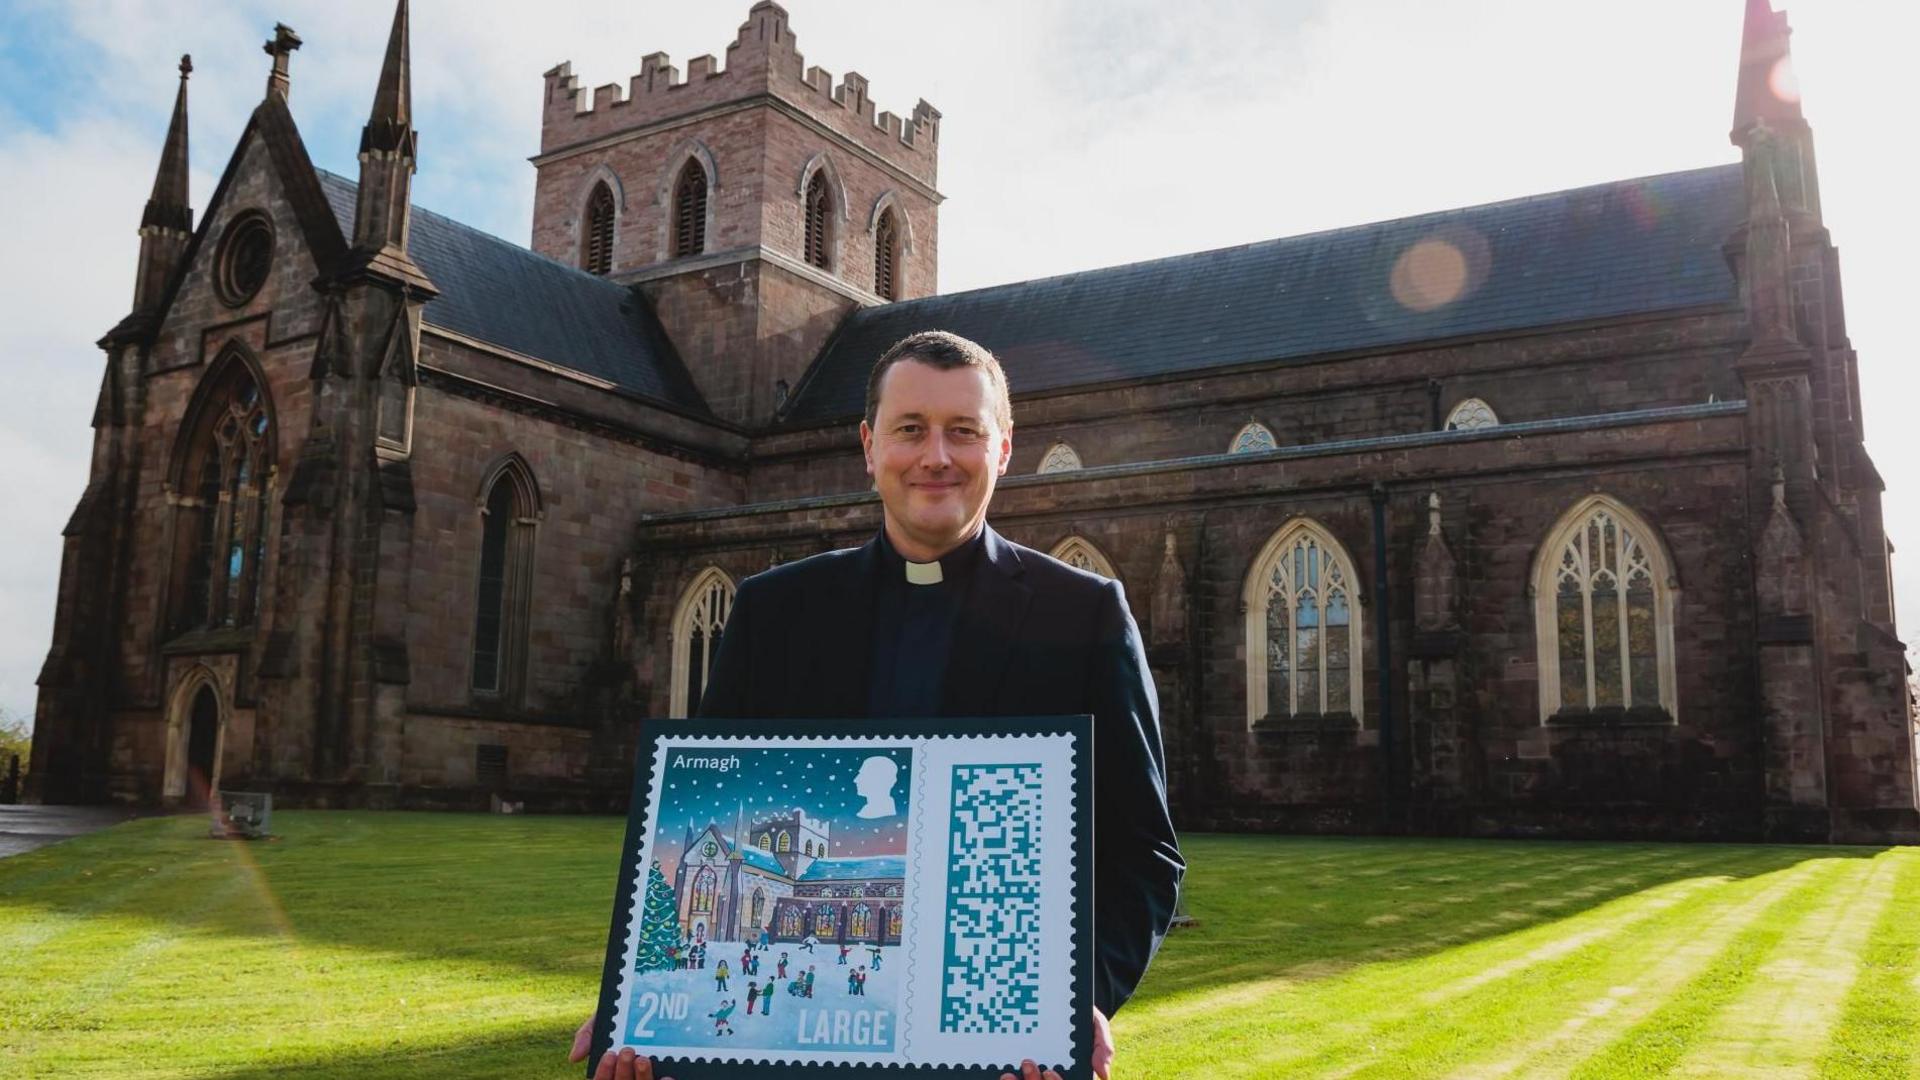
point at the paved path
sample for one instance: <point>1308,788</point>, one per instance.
<point>24,828</point>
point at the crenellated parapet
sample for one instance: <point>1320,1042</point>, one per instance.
<point>763,60</point>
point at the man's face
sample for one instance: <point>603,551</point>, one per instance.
<point>934,452</point>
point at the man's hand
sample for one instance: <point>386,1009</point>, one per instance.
<point>1102,1055</point>
<point>626,1065</point>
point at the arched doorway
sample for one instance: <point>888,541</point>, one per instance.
<point>203,730</point>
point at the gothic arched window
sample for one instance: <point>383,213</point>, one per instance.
<point>786,842</point>
<point>596,245</point>
<point>819,220</point>
<point>696,638</point>
<point>893,922</point>
<point>1303,628</point>
<point>1252,439</point>
<point>1603,609</point>
<point>886,256</point>
<point>823,920</point>
<point>690,210</point>
<point>791,922</point>
<point>860,921</point>
<point>1059,457</point>
<point>758,907</point>
<point>705,883</point>
<point>503,595</point>
<point>1078,551</point>
<point>1470,415</point>
<point>766,841</point>
<point>223,478</point>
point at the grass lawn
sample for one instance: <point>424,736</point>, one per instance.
<point>369,946</point>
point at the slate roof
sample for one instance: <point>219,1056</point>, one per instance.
<point>760,860</point>
<point>505,295</point>
<point>873,866</point>
<point>1645,245</point>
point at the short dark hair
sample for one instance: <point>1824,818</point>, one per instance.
<point>946,351</point>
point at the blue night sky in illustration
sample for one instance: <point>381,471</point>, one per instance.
<point>817,780</point>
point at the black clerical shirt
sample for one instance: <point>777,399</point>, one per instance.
<point>913,629</point>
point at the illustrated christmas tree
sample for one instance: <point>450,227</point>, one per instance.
<point>659,928</point>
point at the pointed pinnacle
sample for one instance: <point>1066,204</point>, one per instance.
<point>390,126</point>
<point>167,205</point>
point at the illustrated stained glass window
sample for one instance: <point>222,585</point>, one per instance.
<point>1606,635</point>
<point>893,918</point>
<point>860,922</point>
<point>757,907</point>
<point>790,922</point>
<point>786,842</point>
<point>823,920</point>
<point>1312,637</point>
<point>705,883</point>
<point>766,841</point>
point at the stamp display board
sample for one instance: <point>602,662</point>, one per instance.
<point>824,899</point>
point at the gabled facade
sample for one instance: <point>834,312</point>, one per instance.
<point>1545,517</point>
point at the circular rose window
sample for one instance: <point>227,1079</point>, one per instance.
<point>246,254</point>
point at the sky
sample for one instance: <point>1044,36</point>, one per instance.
<point>1075,134</point>
<point>720,787</point>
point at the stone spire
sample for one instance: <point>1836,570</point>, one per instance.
<point>388,155</point>
<point>166,226</point>
<point>1766,100</point>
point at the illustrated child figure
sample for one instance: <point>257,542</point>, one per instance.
<point>753,992</point>
<point>720,977</point>
<point>860,983</point>
<point>780,969</point>
<point>766,999</point>
<point>746,961</point>
<point>721,1025</point>
<point>809,980</point>
<point>853,984</point>
<point>874,951</point>
<point>766,940</point>
<point>809,942</point>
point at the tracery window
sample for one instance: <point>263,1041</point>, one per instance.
<point>860,922</point>
<point>1603,604</point>
<point>1059,457</point>
<point>596,246</point>
<point>791,922</point>
<point>690,210</point>
<point>1079,552</point>
<point>224,479</point>
<point>757,907</point>
<point>1303,628</point>
<point>886,256</point>
<point>893,921</point>
<point>823,920</point>
<point>819,211</point>
<point>696,638</point>
<point>1252,439</point>
<point>503,595</point>
<point>705,883</point>
<point>1471,415</point>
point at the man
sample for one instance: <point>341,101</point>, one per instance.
<point>940,616</point>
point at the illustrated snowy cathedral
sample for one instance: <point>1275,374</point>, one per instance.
<point>1544,517</point>
<point>779,876</point>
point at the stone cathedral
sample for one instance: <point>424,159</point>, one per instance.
<point>1544,517</point>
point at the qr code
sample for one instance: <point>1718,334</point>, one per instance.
<point>991,979</point>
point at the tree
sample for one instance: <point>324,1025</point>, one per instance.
<point>16,737</point>
<point>659,924</point>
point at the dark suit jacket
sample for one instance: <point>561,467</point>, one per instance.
<point>1036,637</point>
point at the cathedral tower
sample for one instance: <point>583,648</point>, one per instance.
<point>753,206</point>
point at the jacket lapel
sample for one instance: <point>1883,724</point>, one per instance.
<point>843,654</point>
<point>984,634</point>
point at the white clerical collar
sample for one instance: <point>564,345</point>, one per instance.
<point>923,573</point>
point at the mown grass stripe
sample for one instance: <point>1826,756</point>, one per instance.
<point>1655,969</point>
<point>1657,1043</point>
<point>1779,1025</point>
<point>1875,1036</point>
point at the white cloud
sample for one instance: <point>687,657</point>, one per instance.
<point>1076,134</point>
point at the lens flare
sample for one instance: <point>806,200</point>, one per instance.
<point>1428,275</point>
<point>1784,84</point>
